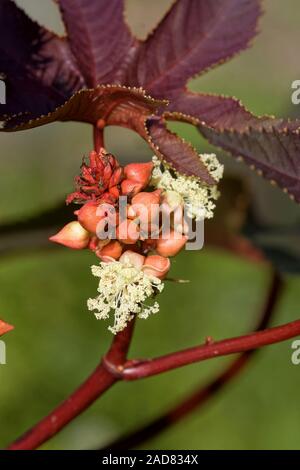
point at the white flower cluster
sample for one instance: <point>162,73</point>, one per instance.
<point>196,195</point>
<point>124,289</point>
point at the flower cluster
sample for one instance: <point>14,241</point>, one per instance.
<point>179,189</point>
<point>131,241</point>
<point>124,287</point>
<point>98,180</point>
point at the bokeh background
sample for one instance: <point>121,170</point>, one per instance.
<point>57,342</point>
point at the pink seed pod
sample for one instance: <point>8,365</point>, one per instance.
<point>5,327</point>
<point>149,231</point>
<point>133,258</point>
<point>94,217</point>
<point>72,235</point>
<point>157,266</point>
<point>146,206</point>
<point>147,199</point>
<point>87,216</point>
<point>139,172</point>
<point>128,232</point>
<point>172,245</point>
<point>112,250</point>
<point>96,245</point>
<point>130,187</point>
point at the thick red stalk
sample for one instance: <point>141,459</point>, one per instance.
<point>148,368</point>
<point>155,366</point>
<point>99,381</point>
<point>98,138</point>
<point>202,394</point>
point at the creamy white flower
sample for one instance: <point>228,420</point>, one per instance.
<point>123,289</point>
<point>197,196</point>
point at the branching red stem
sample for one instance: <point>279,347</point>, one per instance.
<point>225,347</point>
<point>202,394</point>
<point>112,369</point>
<point>98,382</point>
<point>209,351</point>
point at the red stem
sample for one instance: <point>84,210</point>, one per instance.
<point>182,409</point>
<point>209,351</point>
<point>147,368</point>
<point>203,394</point>
<point>98,382</point>
<point>98,138</point>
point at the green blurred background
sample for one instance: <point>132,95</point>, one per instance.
<point>57,342</point>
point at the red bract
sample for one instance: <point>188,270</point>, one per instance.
<point>5,327</point>
<point>97,179</point>
<point>61,79</point>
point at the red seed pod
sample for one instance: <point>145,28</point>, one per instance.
<point>128,232</point>
<point>157,266</point>
<point>72,235</point>
<point>112,250</point>
<point>130,187</point>
<point>97,245</point>
<point>139,172</point>
<point>147,199</point>
<point>149,231</point>
<point>87,216</point>
<point>146,206</point>
<point>172,245</point>
<point>5,327</point>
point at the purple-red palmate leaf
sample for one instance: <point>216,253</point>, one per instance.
<point>5,327</point>
<point>99,38</point>
<point>36,65</point>
<point>268,145</point>
<point>126,107</point>
<point>112,104</point>
<point>194,36</point>
<point>180,155</point>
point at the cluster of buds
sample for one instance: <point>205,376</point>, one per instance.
<point>122,220</point>
<point>101,227</point>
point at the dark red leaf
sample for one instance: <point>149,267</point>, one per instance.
<point>113,104</point>
<point>36,65</point>
<point>180,155</point>
<point>99,38</point>
<point>193,36</point>
<point>5,327</point>
<point>270,146</point>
